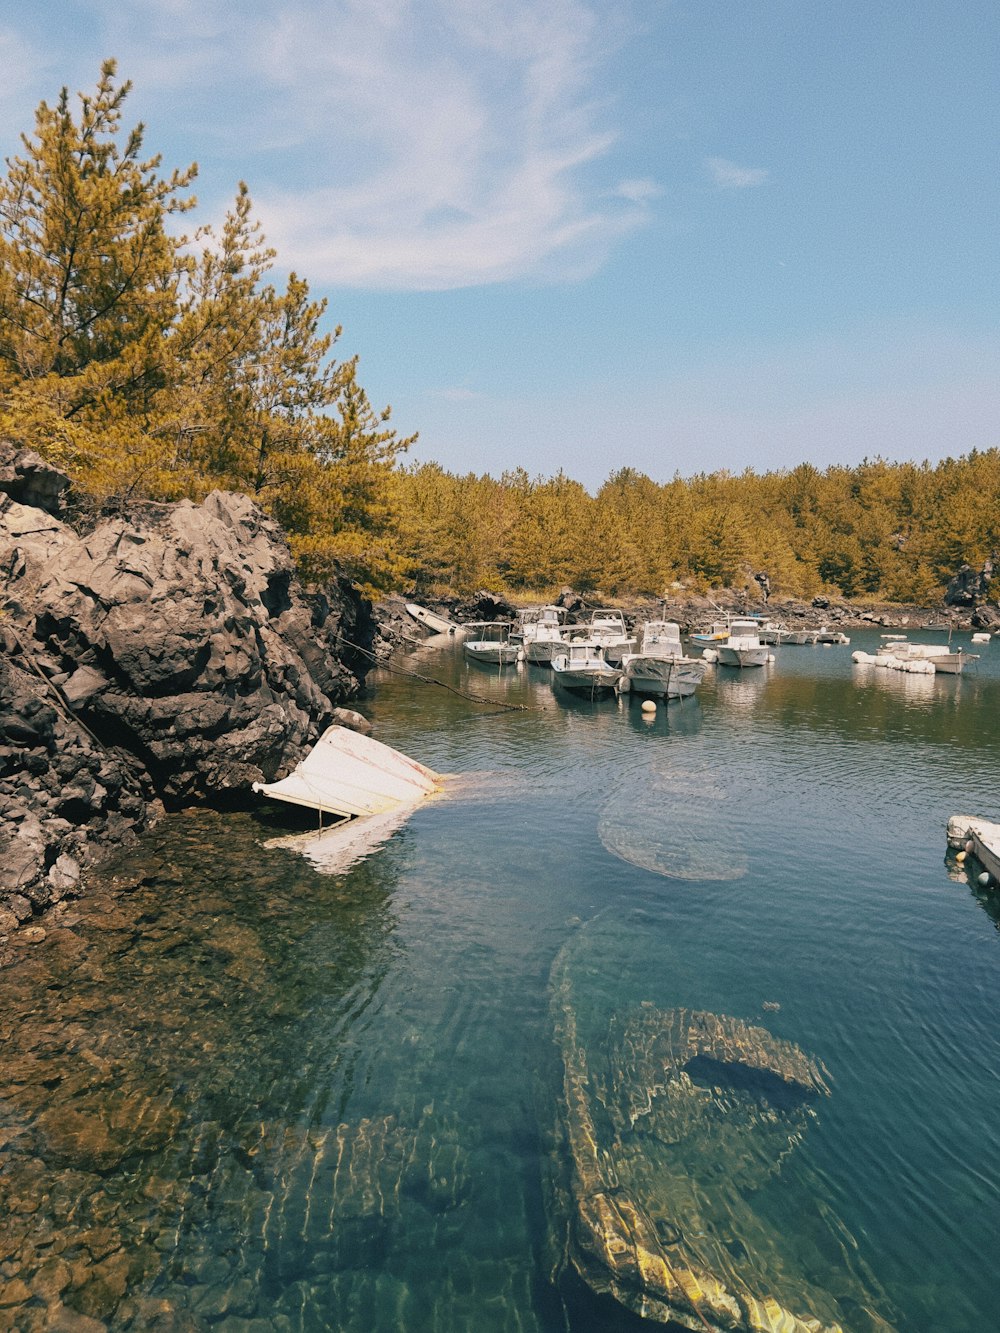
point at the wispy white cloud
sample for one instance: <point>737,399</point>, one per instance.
<point>638,191</point>
<point>730,176</point>
<point>480,142</point>
<point>394,144</point>
<point>390,144</point>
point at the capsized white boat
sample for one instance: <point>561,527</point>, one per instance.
<point>335,849</point>
<point>353,776</point>
<point>431,620</point>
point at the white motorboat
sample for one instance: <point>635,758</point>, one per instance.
<point>939,655</point>
<point>742,646</point>
<point>431,620</point>
<point>607,627</point>
<point>582,666</point>
<point>489,641</point>
<point>545,634</point>
<point>660,667</point>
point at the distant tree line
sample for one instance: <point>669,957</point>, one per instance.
<point>892,531</point>
<point>154,362</point>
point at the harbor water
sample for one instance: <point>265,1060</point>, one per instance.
<point>239,1093</point>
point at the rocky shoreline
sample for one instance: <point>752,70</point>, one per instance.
<point>149,660</point>
<point>167,655</point>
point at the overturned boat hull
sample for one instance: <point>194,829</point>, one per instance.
<point>431,620</point>
<point>353,776</point>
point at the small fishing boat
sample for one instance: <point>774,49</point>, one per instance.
<point>660,667</point>
<point>544,635</point>
<point>742,646</point>
<point>431,620</point>
<point>714,634</point>
<point>607,627</point>
<point>926,658</point>
<point>583,667</point>
<point>912,652</point>
<point>490,642</point>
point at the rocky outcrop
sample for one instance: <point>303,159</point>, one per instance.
<point>166,656</point>
<point>969,586</point>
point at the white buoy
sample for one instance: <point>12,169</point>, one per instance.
<point>984,879</point>
<point>648,706</point>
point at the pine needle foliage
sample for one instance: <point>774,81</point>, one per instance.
<point>149,362</point>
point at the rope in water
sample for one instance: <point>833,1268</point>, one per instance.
<point>432,680</point>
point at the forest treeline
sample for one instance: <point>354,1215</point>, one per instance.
<point>154,360</point>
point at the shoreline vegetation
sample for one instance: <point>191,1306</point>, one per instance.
<point>198,503</point>
<point>152,363</point>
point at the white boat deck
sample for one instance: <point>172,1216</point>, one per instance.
<point>984,836</point>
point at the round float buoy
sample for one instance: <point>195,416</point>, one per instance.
<point>648,706</point>
<point>984,880</point>
<point>960,857</point>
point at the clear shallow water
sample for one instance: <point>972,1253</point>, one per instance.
<point>244,1094</point>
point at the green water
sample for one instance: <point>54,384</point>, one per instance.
<point>237,1093</point>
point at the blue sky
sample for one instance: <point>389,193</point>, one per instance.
<point>588,234</point>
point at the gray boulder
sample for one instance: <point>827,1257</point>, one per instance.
<point>167,656</point>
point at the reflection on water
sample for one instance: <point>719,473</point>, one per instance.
<point>238,1093</point>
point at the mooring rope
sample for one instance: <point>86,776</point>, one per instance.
<point>432,680</point>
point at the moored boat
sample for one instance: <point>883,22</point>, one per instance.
<point>583,667</point>
<point>660,667</point>
<point>742,646</point>
<point>489,641</point>
<point>607,627</point>
<point>928,658</point>
<point>545,635</point>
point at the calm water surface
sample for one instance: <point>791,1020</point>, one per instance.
<point>238,1093</point>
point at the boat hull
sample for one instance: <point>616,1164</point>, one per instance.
<point>431,620</point>
<point>542,651</point>
<point>587,682</point>
<point>741,657</point>
<point>670,678</point>
<point>494,654</point>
